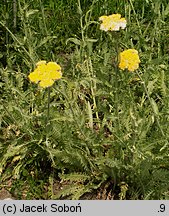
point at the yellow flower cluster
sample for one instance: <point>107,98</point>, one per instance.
<point>112,23</point>
<point>129,59</point>
<point>45,73</point>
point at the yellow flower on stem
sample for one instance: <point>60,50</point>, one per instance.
<point>129,59</point>
<point>112,23</point>
<point>45,73</point>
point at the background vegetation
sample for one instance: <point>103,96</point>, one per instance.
<point>107,136</point>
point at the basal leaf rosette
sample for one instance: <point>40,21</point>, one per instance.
<point>112,22</point>
<point>45,73</point>
<point>129,59</point>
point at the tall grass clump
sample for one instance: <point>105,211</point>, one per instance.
<point>95,122</point>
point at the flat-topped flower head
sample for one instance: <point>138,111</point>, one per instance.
<point>45,73</point>
<point>129,59</point>
<point>112,23</point>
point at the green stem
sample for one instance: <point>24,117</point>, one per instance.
<point>116,78</point>
<point>47,127</point>
<point>47,116</point>
<point>93,88</point>
<point>48,113</point>
<point>81,20</point>
<point>48,109</point>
